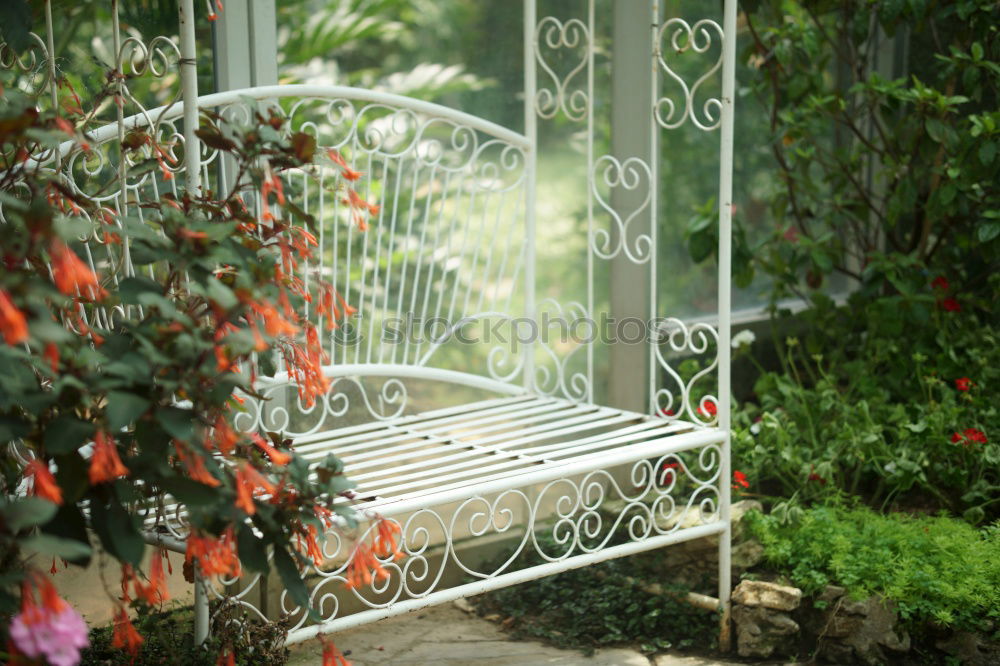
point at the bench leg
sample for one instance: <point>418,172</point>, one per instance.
<point>200,610</point>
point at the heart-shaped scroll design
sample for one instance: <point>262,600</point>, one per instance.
<point>553,34</point>
<point>632,174</point>
<point>697,39</point>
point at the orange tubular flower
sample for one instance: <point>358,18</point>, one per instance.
<point>274,323</point>
<point>105,465</point>
<point>125,636</point>
<point>249,482</point>
<point>12,321</point>
<point>331,655</point>
<point>214,556</point>
<point>384,542</point>
<point>279,458</point>
<point>51,354</point>
<point>44,485</point>
<point>155,591</point>
<point>363,563</point>
<point>223,436</point>
<point>195,466</point>
<point>313,550</point>
<point>71,275</point>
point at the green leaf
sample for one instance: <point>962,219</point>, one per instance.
<point>117,531</point>
<point>987,152</point>
<point>178,422</point>
<point>27,512</point>
<point>221,294</point>
<point>290,577</point>
<point>132,288</point>
<point>189,491</point>
<point>15,24</point>
<point>123,408</point>
<point>67,549</point>
<point>253,551</point>
<point>69,523</point>
<point>71,476</point>
<point>988,231</point>
<point>66,434</point>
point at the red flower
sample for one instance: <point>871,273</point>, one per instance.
<point>741,479</point>
<point>951,305</point>
<point>12,321</point>
<point>667,471</point>
<point>279,458</point>
<point>45,485</point>
<point>105,465</point>
<point>125,636</point>
<point>969,436</point>
<point>667,412</point>
<point>71,275</point>
<point>940,282</point>
<point>974,435</point>
<point>813,476</point>
<point>709,410</point>
<point>214,556</point>
<point>963,384</point>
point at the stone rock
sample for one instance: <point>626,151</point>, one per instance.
<point>972,649</point>
<point>866,631</point>
<point>691,561</point>
<point>767,595</point>
<point>463,605</point>
<point>761,632</point>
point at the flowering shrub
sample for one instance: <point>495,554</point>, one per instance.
<point>859,408</point>
<point>119,387</point>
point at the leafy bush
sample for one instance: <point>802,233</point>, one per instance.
<point>935,568</point>
<point>881,174</point>
<point>120,386</point>
<point>862,408</point>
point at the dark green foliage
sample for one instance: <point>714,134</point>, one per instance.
<point>935,568</point>
<point>169,642</point>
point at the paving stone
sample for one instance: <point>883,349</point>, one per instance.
<point>446,636</point>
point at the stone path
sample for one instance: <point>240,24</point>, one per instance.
<point>446,636</point>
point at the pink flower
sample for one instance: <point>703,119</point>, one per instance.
<point>963,384</point>
<point>58,636</point>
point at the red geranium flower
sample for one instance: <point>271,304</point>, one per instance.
<point>963,383</point>
<point>708,411</point>
<point>940,282</point>
<point>667,471</point>
<point>968,436</point>
<point>813,476</point>
<point>951,305</point>
<point>741,479</point>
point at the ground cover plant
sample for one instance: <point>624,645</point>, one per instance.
<point>936,569</point>
<point>601,605</point>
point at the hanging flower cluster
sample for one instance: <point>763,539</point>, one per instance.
<point>133,377</point>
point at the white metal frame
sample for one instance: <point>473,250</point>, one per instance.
<point>449,179</point>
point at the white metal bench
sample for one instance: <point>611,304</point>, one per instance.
<point>454,241</point>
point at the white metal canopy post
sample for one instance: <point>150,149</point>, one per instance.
<point>725,303</point>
